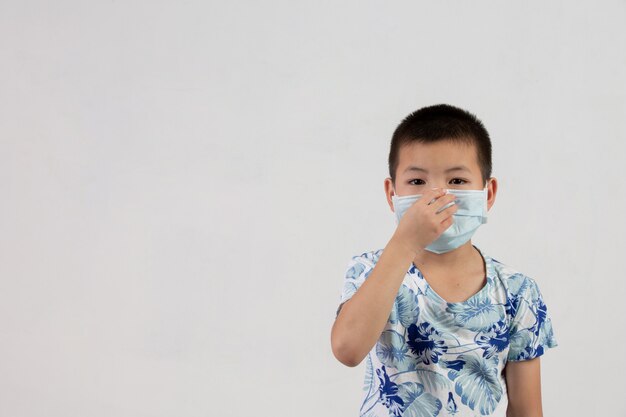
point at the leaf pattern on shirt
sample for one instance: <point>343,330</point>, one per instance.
<point>435,358</point>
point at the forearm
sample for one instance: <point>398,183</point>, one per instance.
<point>361,320</point>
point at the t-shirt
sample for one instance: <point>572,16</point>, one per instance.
<point>436,358</point>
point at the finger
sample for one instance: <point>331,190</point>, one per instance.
<point>433,194</point>
<point>443,201</point>
<point>448,211</point>
<point>447,222</point>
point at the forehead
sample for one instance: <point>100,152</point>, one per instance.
<point>438,156</point>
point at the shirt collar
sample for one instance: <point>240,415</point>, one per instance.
<point>489,267</point>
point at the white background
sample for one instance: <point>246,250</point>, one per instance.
<point>183,183</point>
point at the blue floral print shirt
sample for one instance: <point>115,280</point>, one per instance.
<point>436,358</point>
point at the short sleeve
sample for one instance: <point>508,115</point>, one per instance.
<point>357,271</point>
<point>530,333</point>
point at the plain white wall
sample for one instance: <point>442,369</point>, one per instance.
<point>183,183</point>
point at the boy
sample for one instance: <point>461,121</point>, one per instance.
<point>446,329</point>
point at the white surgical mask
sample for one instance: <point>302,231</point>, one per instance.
<point>471,213</point>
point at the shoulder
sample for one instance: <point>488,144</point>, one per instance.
<point>367,259</point>
<point>358,269</point>
<point>512,279</point>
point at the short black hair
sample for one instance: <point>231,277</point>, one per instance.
<point>442,122</point>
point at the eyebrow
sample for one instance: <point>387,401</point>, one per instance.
<point>457,168</point>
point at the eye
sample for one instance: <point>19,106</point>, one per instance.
<point>454,179</point>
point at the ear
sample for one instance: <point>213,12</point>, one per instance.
<point>492,189</point>
<point>389,192</point>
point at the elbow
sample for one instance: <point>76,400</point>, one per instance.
<point>343,352</point>
<point>345,357</point>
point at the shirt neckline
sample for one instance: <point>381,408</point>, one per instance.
<point>489,275</point>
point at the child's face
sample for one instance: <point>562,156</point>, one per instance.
<point>437,160</point>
